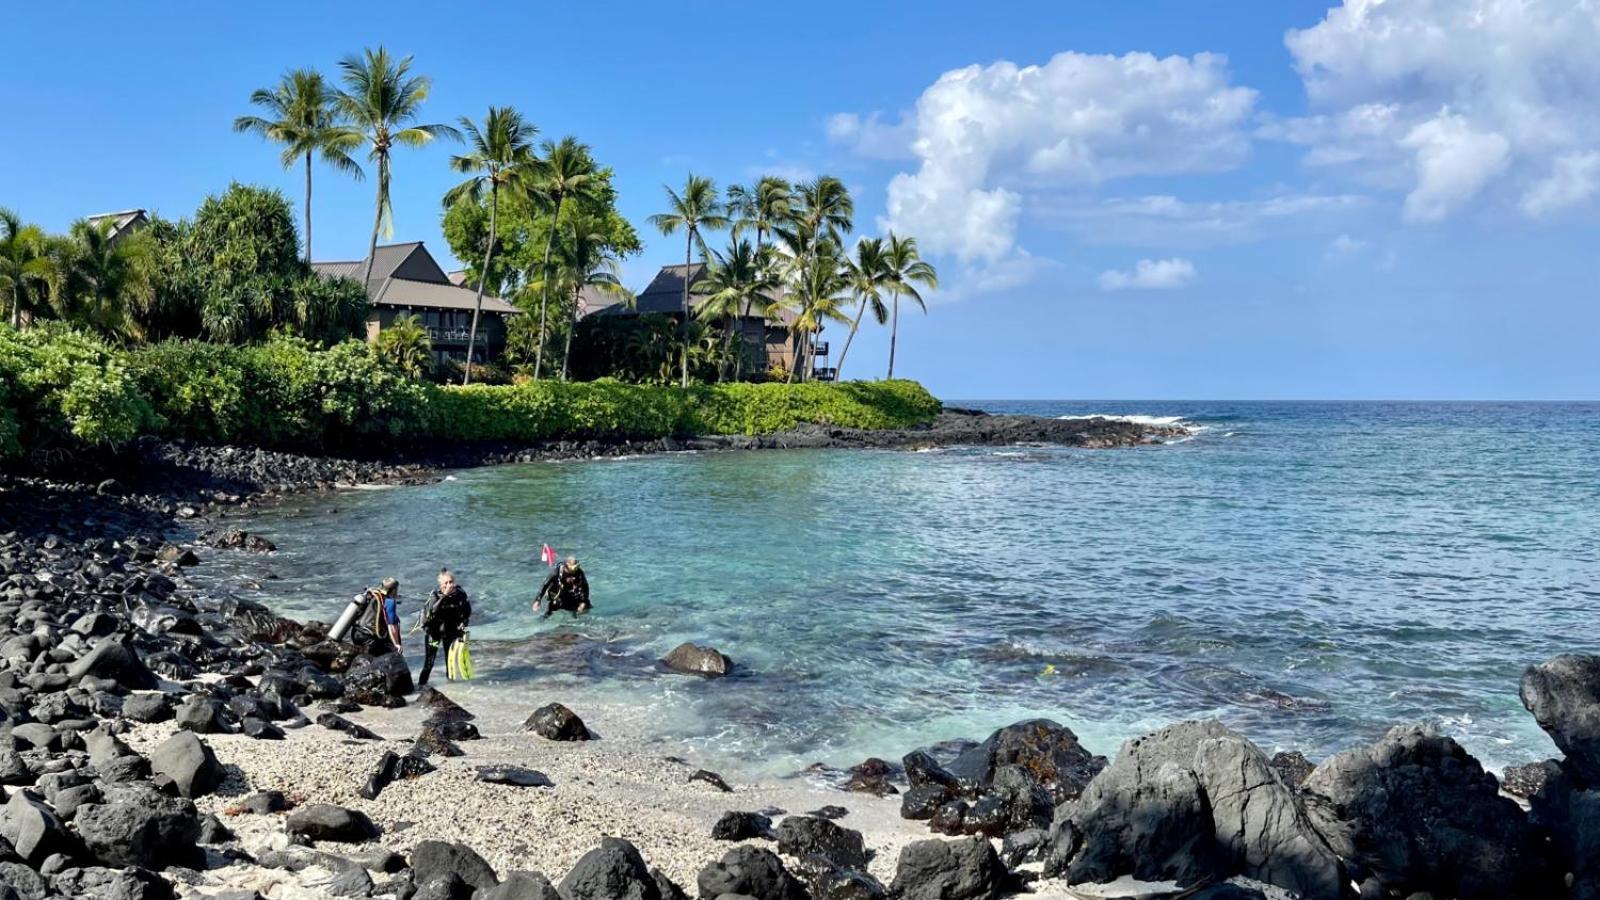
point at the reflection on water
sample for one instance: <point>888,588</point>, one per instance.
<point>1311,573</point>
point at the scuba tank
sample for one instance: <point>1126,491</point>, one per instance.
<point>349,616</point>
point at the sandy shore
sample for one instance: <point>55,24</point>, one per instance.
<point>617,785</point>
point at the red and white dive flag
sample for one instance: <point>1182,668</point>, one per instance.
<point>547,556</point>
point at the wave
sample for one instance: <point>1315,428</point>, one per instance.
<point>1157,421</point>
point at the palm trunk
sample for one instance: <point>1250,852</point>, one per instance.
<point>308,208</point>
<point>838,373</point>
<point>894,330</point>
<point>683,329</point>
<point>377,223</point>
<point>483,278</point>
<point>572,325</point>
<point>544,294</point>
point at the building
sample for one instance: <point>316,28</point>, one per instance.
<point>766,337</point>
<point>407,280</point>
<point>122,223</point>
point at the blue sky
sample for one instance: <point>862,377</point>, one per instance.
<point>1151,200</point>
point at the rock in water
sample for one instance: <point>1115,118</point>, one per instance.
<point>557,723</point>
<point>750,871</point>
<point>967,869</point>
<point>1421,814</point>
<point>1047,751</point>
<point>431,860</point>
<point>188,763</point>
<point>693,659</point>
<point>326,822</point>
<point>1564,696</point>
<point>612,871</point>
<point>110,659</point>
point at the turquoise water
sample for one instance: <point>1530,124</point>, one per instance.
<point>1311,573</point>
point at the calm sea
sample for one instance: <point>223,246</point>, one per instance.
<point>1311,573</point>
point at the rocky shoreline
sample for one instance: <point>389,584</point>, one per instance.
<point>158,742</point>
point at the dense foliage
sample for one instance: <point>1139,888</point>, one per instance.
<point>62,390</point>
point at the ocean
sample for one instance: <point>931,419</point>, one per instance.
<point>1310,573</point>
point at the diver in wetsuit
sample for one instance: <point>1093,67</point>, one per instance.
<point>567,588</point>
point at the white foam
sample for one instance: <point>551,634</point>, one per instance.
<point>1158,421</point>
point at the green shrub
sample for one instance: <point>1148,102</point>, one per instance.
<point>64,388</point>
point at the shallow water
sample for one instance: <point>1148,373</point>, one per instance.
<point>1310,573</point>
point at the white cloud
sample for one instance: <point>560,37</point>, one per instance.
<point>987,137</point>
<point>1150,275</point>
<point>1345,245</point>
<point>871,136</point>
<point>1166,221</point>
<point>1455,100</point>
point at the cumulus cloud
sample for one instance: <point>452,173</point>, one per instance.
<point>1455,100</point>
<point>1150,275</point>
<point>987,137</point>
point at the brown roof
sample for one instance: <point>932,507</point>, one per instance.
<point>407,275</point>
<point>122,221</point>
<point>665,295</point>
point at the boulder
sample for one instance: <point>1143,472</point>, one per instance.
<point>1047,751</point>
<point>521,886</point>
<point>448,886</point>
<point>1570,814</point>
<point>336,722</point>
<point>1564,696</point>
<point>152,834</point>
<point>872,776</point>
<point>102,883</point>
<point>516,776</point>
<point>263,803</point>
<point>965,869</point>
<point>922,770</point>
<point>741,826</point>
<point>189,764</point>
<point>1292,768</point>
<point>923,801</point>
<point>1210,804</point>
<point>110,659</point>
<point>668,888</point>
<point>392,766</point>
<point>1421,814</point>
<point>693,659</point>
<point>387,675</point>
<point>202,715</point>
<point>612,871</point>
<point>803,836</point>
<point>147,707</point>
<point>13,770</point>
<point>557,723</point>
<point>32,830</point>
<point>431,860</point>
<point>326,822</point>
<point>751,871</point>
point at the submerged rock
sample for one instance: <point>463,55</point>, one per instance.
<point>693,659</point>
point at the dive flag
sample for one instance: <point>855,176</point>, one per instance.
<point>547,556</point>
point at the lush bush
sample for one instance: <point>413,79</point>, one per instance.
<point>60,389</point>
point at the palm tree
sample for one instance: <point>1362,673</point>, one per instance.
<point>588,262</point>
<point>734,284</point>
<point>381,100</point>
<point>907,270</point>
<point>569,173</point>
<point>405,344</point>
<point>819,284</point>
<point>823,206</point>
<point>500,156</point>
<point>695,209</point>
<point>869,275</point>
<point>104,278</point>
<point>28,272</point>
<point>303,116</point>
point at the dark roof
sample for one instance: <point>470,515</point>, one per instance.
<point>408,275</point>
<point>122,222</point>
<point>665,294</point>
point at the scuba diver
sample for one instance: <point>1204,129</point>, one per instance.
<point>567,588</point>
<point>443,622</point>
<point>372,620</point>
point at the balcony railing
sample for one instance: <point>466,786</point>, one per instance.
<point>825,374</point>
<point>821,348</point>
<point>455,335</point>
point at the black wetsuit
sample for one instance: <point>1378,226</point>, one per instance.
<point>566,589</point>
<point>444,621</point>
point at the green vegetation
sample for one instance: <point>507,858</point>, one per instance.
<point>62,390</point>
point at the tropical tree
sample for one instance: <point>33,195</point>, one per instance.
<point>29,275</point>
<point>762,207</point>
<point>406,346</point>
<point>500,156</point>
<point>736,284</point>
<point>588,264</point>
<point>695,209</point>
<point>302,114</point>
<point>823,210</point>
<point>105,279</point>
<point>869,276</point>
<point>381,100</point>
<point>569,173</point>
<point>907,269</point>
<point>819,289</point>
